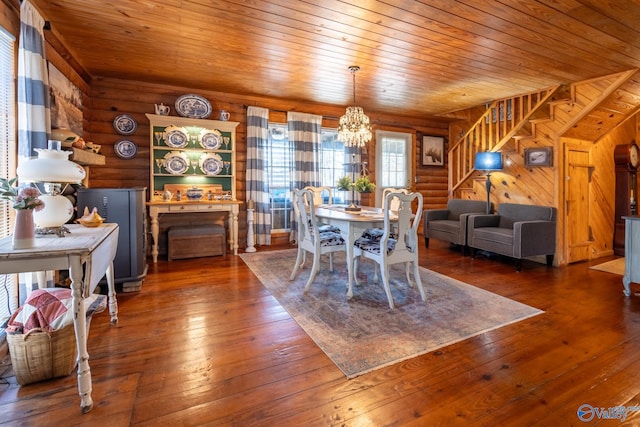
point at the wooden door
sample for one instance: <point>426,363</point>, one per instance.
<point>578,230</point>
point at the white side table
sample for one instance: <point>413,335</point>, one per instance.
<point>93,248</point>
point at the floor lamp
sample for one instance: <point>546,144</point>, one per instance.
<point>488,161</point>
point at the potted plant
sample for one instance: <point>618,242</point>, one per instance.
<point>364,185</point>
<point>344,183</point>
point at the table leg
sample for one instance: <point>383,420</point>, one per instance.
<point>233,228</point>
<point>42,279</point>
<point>155,230</point>
<point>350,239</point>
<point>113,302</point>
<point>28,281</point>
<point>80,327</point>
<point>626,282</point>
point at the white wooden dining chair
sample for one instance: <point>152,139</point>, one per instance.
<point>310,238</point>
<point>396,202</point>
<point>318,199</point>
<point>319,194</point>
<point>388,246</point>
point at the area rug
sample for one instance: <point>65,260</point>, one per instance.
<point>616,266</point>
<point>364,334</point>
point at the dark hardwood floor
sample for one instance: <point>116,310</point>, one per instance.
<point>204,343</point>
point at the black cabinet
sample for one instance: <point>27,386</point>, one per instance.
<point>126,207</point>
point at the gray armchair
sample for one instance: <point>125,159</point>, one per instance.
<point>517,231</point>
<point>450,224</point>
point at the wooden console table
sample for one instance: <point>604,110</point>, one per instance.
<point>160,207</point>
<point>93,248</point>
<point>631,252</point>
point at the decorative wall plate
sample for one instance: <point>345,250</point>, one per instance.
<point>124,124</point>
<point>176,162</point>
<point>176,137</point>
<point>193,106</point>
<point>210,163</point>
<point>125,149</point>
<point>210,139</point>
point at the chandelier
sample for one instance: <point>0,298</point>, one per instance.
<point>354,128</point>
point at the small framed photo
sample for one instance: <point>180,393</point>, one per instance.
<point>433,151</point>
<point>538,156</point>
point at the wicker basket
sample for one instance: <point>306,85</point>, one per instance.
<point>39,355</point>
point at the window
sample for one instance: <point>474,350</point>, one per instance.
<point>393,157</point>
<point>8,283</point>
<point>332,161</point>
<point>279,173</point>
<point>281,164</point>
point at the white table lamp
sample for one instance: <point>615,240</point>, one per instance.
<point>52,168</point>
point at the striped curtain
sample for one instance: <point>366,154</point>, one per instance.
<point>257,182</point>
<point>34,121</point>
<point>305,137</point>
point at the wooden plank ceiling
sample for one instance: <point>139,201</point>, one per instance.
<point>418,58</point>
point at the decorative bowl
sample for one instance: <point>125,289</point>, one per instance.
<point>92,219</point>
<point>195,194</point>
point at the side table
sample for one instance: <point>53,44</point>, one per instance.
<point>93,248</point>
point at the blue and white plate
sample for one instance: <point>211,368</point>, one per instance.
<point>210,139</point>
<point>211,164</point>
<point>125,149</point>
<point>176,162</point>
<point>176,137</point>
<point>193,106</point>
<point>124,124</point>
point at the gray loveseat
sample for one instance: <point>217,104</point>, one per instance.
<point>517,231</point>
<point>450,224</point>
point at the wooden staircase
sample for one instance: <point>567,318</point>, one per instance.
<point>504,120</point>
<point>581,123</point>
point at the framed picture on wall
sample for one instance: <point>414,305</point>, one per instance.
<point>538,156</point>
<point>433,151</point>
<point>66,102</point>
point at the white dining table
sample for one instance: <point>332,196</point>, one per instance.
<point>351,225</point>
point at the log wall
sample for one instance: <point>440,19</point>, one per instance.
<point>104,98</point>
<point>111,97</point>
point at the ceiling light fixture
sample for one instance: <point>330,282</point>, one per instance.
<point>354,128</point>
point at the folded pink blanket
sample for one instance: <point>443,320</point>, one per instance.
<point>50,309</point>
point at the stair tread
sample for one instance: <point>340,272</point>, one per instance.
<point>540,120</point>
